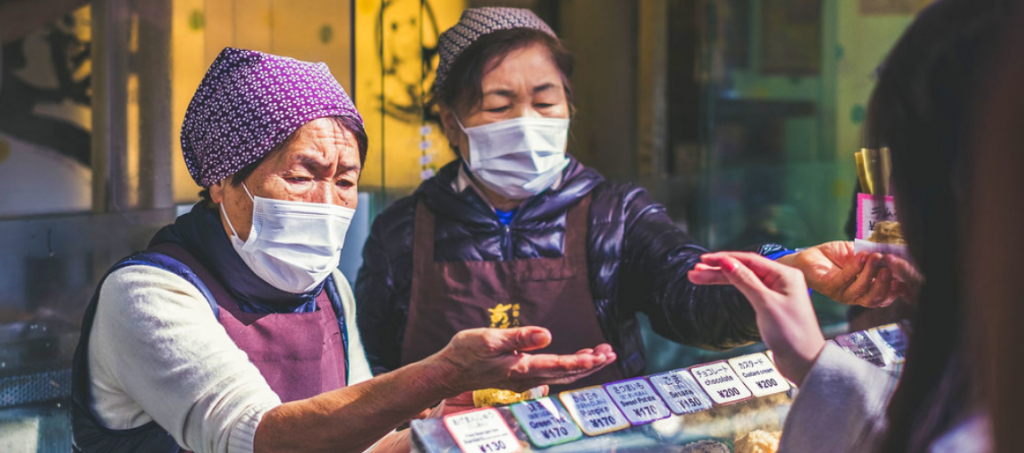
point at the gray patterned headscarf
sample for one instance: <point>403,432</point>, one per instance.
<point>477,22</point>
<point>248,103</point>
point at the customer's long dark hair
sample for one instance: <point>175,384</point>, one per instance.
<point>921,109</point>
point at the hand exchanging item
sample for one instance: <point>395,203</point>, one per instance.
<point>778,294</point>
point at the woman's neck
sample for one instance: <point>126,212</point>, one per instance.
<point>496,200</point>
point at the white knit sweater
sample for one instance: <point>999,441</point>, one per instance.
<point>157,352</point>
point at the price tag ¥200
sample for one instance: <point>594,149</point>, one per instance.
<point>637,399</point>
<point>720,382</point>
<point>482,431</point>
<point>593,410</point>
<point>759,374</point>
<point>545,422</point>
<point>681,391</point>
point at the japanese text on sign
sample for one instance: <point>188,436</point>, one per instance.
<point>721,383</point>
<point>759,374</point>
<point>545,422</point>
<point>637,400</point>
<point>593,410</point>
<point>482,431</point>
<point>681,391</point>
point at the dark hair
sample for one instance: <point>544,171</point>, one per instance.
<point>921,109</point>
<point>463,88</point>
<point>353,125</point>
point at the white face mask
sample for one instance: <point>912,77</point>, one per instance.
<point>292,245</point>
<point>518,158</point>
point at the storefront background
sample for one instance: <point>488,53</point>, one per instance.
<point>741,116</point>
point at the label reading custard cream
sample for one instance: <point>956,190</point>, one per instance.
<point>759,374</point>
<point>720,382</point>
<point>482,431</point>
<point>593,410</point>
<point>681,391</point>
<point>637,400</point>
<point>545,422</point>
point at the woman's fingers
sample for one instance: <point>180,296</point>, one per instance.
<point>857,291</point>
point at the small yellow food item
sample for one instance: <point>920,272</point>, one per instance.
<point>498,397</point>
<point>759,441</point>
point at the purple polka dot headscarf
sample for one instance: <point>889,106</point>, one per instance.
<point>248,103</point>
<point>477,22</point>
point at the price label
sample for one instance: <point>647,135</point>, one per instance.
<point>861,346</point>
<point>545,422</point>
<point>593,410</point>
<point>759,374</point>
<point>482,431</point>
<point>892,341</point>
<point>637,399</point>
<point>721,383</point>
<point>681,391</point>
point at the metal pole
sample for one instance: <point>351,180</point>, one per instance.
<point>110,35</point>
<point>153,64</point>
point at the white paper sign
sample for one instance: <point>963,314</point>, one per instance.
<point>637,399</point>
<point>759,374</point>
<point>720,382</point>
<point>862,346</point>
<point>891,340</point>
<point>681,391</point>
<point>593,410</point>
<point>482,431</point>
<point>545,422</point>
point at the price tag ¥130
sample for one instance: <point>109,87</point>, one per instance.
<point>720,382</point>
<point>593,410</point>
<point>482,431</point>
<point>759,374</point>
<point>681,391</point>
<point>545,422</point>
<point>636,399</point>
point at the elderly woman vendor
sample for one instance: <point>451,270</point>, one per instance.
<point>234,332</point>
<point>517,232</point>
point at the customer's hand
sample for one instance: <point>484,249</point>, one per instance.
<point>778,294</point>
<point>499,358</point>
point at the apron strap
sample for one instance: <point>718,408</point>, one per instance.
<point>423,239</point>
<point>576,229</point>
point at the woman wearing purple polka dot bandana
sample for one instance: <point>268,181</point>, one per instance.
<point>234,331</point>
<point>517,232</point>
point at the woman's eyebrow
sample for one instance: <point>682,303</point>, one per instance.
<point>544,87</point>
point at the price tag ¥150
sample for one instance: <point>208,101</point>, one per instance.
<point>545,422</point>
<point>720,382</point>
<point>637,399</point>
<point>759,374</point>
<point>482,431</point>
<point>681,391</point>
<point>593,410</point>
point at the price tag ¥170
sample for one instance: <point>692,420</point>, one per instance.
<point>681,391</point>
<point>482,431</point>
<point>721,383</point>
<point>637,399</point>
<point>759,374</point>
<point>545,422</point>
<point>593,410</point>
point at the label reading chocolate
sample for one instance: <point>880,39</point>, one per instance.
<point>593,410</point>
<point>720,382</point>
<point>545,422</point>
<point>482,431</point>
<point>681,392</point>
<point>638,401</point>
<point>759,374</point>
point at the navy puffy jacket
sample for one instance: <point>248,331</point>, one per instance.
<point>637,262</point>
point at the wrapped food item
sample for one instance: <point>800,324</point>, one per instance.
<point>498,397</point>
<point>759,441</point>
<point>705,446</point>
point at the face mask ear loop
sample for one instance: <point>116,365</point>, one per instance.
<point>227,219</point>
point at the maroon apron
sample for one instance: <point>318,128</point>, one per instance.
<point>447,297</point>
<point>299,354</point>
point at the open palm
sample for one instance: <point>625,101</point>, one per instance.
<point>834,270</point>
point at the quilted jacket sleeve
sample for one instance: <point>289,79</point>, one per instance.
<point>656,257</point>
<point>382,286</point>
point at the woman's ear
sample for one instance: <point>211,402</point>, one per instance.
<point>217,192</point>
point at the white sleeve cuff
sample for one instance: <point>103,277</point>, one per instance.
<point>243,435</point>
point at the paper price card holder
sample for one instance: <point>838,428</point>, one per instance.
<point>891,340</point>
<point>759,374</point>
<point>637,399</point>
<point>861,345</point>
<point>721,383</point>
<point>482,431</point>
<point>593,410</point>
<point>681,392</point>
<point>545,421</point>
